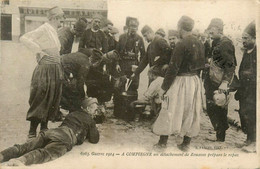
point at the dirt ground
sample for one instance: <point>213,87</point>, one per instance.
<point>117,136</point>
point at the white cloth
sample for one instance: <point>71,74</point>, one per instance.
<point>180,113</point>
<point>152,93</point>
<point>43,39</point>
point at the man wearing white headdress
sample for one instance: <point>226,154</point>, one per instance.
<point>46,84</point>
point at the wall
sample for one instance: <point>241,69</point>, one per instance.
<point>13,8</point>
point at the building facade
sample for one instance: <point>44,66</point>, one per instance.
<point>21,16</point>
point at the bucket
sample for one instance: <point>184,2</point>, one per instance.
<point>122,108</point>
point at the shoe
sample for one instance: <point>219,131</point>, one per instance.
<point>251,148</point>
<point>15,162</point>
<point>159,147</point>
<point>221,135</point>
<point>183,147</point>
<point>245,143</point>
<point>30,137</point>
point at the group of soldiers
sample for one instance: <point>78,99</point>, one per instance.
<point>174,95</point>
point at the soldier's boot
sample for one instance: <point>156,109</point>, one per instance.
<point>44,126</point>
<point>32,131</point>
<point>221,135</point>
<point>162,142</point>
<point>185,145</point>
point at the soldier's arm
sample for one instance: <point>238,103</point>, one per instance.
<point>141,48</point>
<point>93,136</point>
<point>229,63</point>
<point>174,66</point>
<point>29,39</point>
<point>142,65</point>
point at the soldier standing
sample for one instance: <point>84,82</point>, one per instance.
<point>246,94</point>
<point>94,37</point>
<point>66,35</point>
<point>181,90</point>
<point>158,51</point>
<point>173,38</point>
<point>160,32</point>
<point>46,83</point>
<point>223,57</point>
<point>110,39</point>
<point>131,50</point>
<point>98,84</point>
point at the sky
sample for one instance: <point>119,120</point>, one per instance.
<point>236,14</point>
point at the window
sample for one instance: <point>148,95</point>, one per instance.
<point>5,2</point>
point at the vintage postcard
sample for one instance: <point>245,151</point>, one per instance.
<point>129,84</point>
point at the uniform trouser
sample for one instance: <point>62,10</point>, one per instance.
<point>48,146</point>
<point>217,114</point>
<point>218,117</point>
<point>247,113</point>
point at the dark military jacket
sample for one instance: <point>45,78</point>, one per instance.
<point>66,38</point>
<point>95,40</point>
<point>83,126</point>
<point>77,64</point>
<point>112,43</point>
<point>158,53</point>
<point>130,43</point>
<point>247,78</point>
<point>223,53</point>
<point>188,57</point>
<point>247,69</point>
<point>207,50</point>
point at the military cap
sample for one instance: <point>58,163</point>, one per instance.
<point>55,11</point>
<point>96,54</point>
<point>131,21</point>
<point>114,31</point>
<point>88,101</point>
<point>146,29</point>
<point>250,29</point>
<point>110,56</point>
<point>108,22</point>
<point>160,32</point>
<point>173,33</point>
<point>80,25</point>
<point>217,23</point>
<point>186,23</point>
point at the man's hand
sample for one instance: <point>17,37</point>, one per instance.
<point>161,93</point>
<point>39,56</point>
<point>223,88</point>
<point>118,68</point>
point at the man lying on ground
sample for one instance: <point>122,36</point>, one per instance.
<point>53,143</point>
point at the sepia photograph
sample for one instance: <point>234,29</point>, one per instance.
<point>129,84</point>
